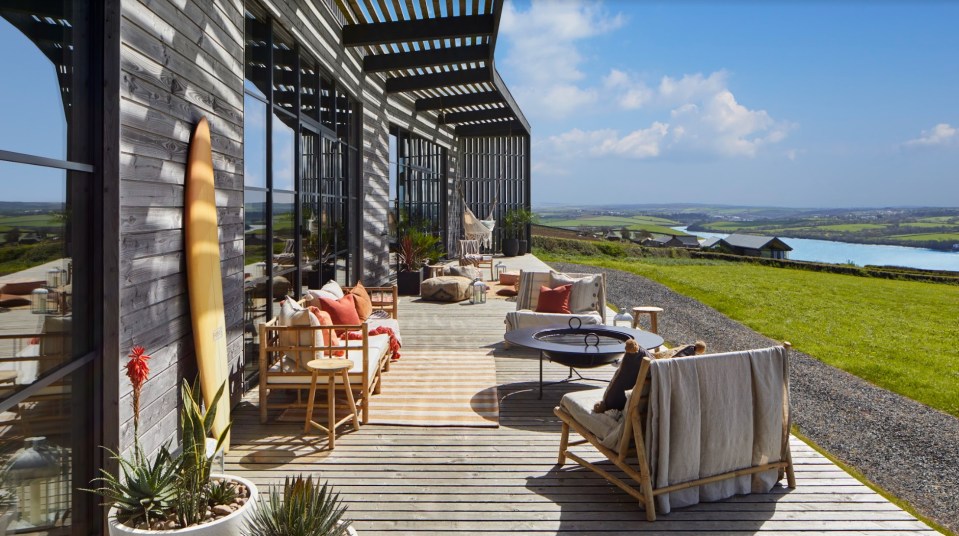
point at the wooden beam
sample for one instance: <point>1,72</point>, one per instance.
<point>456,101</point>
<point>435,80</point>
<point>417,30</point>
<point>498,128</point>
<point>508,97</point>
<point>476,115</point>
<point>374,63</point>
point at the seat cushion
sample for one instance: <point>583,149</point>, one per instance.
<point>607,427</point>
<point>391,323</point>
<point>379,344</point>
<point>447,288</point>
<point>554,300</point>
<point>530,319</point>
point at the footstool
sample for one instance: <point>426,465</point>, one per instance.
<point>446,288</point>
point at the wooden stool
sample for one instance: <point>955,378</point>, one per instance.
<point>652,312</point>
<point>330,368</point>
<point>436,270</point>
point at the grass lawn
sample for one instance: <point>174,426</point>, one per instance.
<point>943,237</point>
<point>900,335</point>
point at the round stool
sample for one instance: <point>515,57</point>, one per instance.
<point>647,310</point>
<point>331,368</point>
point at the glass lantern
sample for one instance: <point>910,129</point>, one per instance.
<point>478,294</point>
<point>54,278</point>
<point>623,316</point>
<point>42,491</point>
<point>38,301</point>
<point>500,268</point>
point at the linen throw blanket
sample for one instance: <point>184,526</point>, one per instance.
<point>716,413</point>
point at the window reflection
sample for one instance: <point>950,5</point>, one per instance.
<point>283,151</point>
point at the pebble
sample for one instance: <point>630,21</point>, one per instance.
<point>902,446</point>
<point>222,510</point>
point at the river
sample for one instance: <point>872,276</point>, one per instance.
<point>805,249</point>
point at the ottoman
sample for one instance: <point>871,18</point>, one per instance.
<point>446,288</point>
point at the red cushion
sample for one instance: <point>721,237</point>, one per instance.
<point>554,300</point>
<point>342,311</point>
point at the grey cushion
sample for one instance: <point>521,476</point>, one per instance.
<point>470,272</point>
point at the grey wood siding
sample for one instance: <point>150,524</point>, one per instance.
<point>179,61</point>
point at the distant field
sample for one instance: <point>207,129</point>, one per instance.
<point>651,224</point>
<point>851,227</point>
<point>26,223</point>
<point>922,237</point>
<point>899,335</point>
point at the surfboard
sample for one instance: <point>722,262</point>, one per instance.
<point>203,275</point>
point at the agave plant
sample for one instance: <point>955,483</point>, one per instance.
<point>142,491</point>
<point>304,508</point>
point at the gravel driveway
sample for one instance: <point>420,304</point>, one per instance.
<point>903,446</point>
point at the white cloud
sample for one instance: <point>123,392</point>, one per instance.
<point>940,135</point>
<point>543,53</point>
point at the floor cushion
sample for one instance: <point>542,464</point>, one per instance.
<point>446,288</point>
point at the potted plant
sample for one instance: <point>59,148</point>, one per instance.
<point>514,226</point>
<point>303,509</point>
<point>415,247</point>
<point>175,494</point>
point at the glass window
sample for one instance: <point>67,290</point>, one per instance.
<point>284,151</point>
<point>47,434</point>
<point>254,142</point>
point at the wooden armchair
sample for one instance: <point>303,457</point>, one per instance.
<point>634,447</point>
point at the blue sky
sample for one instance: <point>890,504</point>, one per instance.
<point>758,103</point>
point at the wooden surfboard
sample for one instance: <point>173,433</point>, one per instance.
<point>202,247</point>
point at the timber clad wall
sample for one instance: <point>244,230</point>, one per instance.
<point>180,61</point>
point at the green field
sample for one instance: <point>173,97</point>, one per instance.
<point>923,237</point>
<point>852,227</point>
<point>900,335</point>
<point>650,224</point>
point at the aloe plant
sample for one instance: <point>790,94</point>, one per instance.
<point>142,491</point>
<point>303,508</point>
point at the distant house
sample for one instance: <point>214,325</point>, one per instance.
<point>657,241</point>
<point>685,241</point>
<point>768,247</point>
<point>710,243</point>
<point>614,236</point>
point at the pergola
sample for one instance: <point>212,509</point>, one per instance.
<point>441,52</point>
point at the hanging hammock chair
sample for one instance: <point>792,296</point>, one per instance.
<point>477,229</point>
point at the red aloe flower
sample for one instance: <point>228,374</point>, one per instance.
<point>137,370</point>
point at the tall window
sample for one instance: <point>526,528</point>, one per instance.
<point>495,177</point>
<point>418,181</point>
<point>47,348</point>
<point>301,176</point>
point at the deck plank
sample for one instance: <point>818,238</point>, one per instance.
<point>407,480</point>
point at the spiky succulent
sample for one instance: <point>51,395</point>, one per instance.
<point>303,508</point>
<point>142,491</point>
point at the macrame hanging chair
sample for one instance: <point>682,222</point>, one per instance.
<point>477,229</point>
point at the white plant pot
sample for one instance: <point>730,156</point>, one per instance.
<point>230,525</point>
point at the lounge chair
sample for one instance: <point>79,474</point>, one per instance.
<point>694,429</point>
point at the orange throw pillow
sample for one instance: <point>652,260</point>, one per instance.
<point>364,305</point>
<point>330,338</point>
<point>554,300</point>
<point>342,311</point>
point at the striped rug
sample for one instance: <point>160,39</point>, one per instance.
<point>427,388</point>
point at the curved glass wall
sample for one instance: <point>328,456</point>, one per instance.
<point>47,182</point>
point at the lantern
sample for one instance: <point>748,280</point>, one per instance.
<point>623,316</point>
<point>479,292</point>
<point>54,278</point>
<point>42,493</point>
<point>500,268</point>
<point>38,301</point>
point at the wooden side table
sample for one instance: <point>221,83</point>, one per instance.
<point>331,368</point>
<point>647,310</point>
<point>436,270</point>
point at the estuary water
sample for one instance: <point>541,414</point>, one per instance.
<point>805,249</point>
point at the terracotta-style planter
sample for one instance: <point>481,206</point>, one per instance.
<point>230,525</point>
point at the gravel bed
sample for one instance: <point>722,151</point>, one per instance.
<point>905,447</point>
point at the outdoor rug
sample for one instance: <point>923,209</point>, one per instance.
<point>439,388</point>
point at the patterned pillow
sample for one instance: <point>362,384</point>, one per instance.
<point>585,295</point>
<point>291,314</point>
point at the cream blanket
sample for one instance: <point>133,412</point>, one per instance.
<point>716,413</point>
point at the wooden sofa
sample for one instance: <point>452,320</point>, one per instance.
<point>738,429</point>
<point>525,315</point>
<point>281,365</point>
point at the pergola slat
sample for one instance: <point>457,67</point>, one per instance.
<point>427,81</point>
<point>476,115</point>
<point>424,58</point>
<point>497,128</point>
<point>458,101</point>
<point>417,30</point>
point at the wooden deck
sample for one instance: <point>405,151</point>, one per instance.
<point>409,480</point>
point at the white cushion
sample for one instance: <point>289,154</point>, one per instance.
<point>585,293</point>
<point>379,345</point>
<point>331,290</point>
<point>531,319</point>
<point>608,426</point>
<point>391,323</point>
<point>292,314</point>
